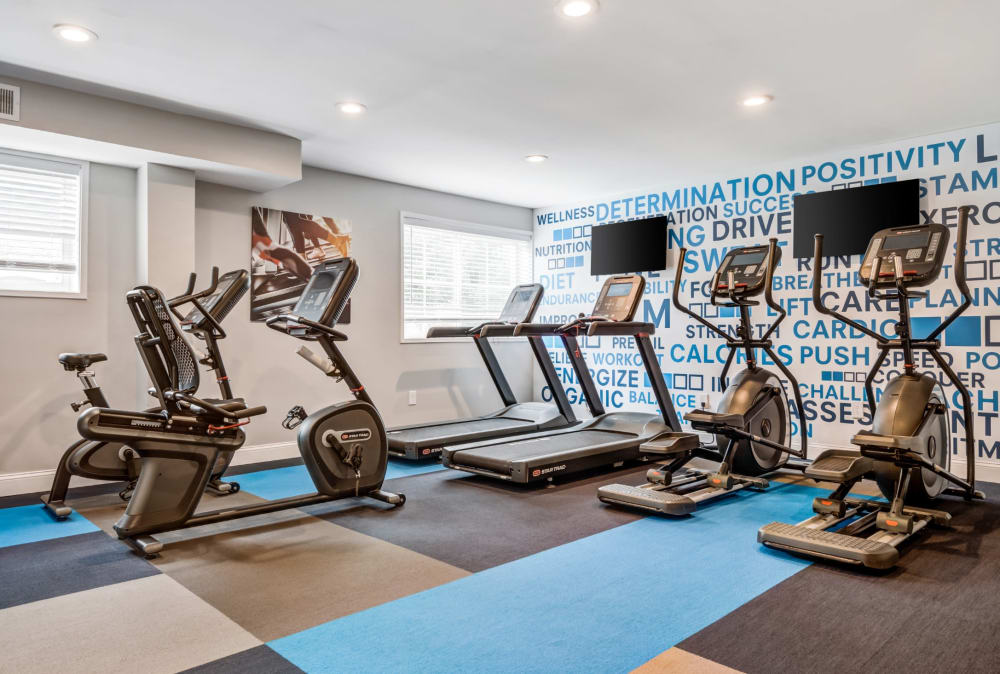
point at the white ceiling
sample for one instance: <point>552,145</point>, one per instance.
<point>644,93</point>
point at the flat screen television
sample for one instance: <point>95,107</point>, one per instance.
<point>848,218</point>
<point>629,247</point>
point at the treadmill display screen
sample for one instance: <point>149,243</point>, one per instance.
<point>317,294</point>
<point>518,307</point>
<point>614,304</point>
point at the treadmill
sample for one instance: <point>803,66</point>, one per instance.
<point>610,438</point>
<point>425,441</point>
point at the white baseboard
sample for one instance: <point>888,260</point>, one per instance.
<point>41,480</point>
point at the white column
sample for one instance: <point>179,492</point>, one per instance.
<point>165,237</point>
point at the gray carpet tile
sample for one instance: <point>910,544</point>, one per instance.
<point>476,523</point>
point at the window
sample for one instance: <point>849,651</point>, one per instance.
<point>42,225</point>
<point>457,273</point>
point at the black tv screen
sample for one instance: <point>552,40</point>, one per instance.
<point>629,247</point>
<point>848,218</point>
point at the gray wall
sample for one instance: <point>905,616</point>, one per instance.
<point>36,422</point>
<point>449,378</point>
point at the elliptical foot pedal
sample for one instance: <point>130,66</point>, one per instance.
<point>671,443</point>
<point>653,500</point>
<point>828,545</point>
<point>839,465</point>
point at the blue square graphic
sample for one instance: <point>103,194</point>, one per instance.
<point>727,312</point>
<point>922,327</point>
<point>827,375</point>
<point>579,260</point>
<point>567,233</point>
<point>557,235</point>
<point>838,376</point>
<point>570,262</point>
<point>965,331</point>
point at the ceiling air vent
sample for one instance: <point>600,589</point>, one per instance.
<point>10,102</point>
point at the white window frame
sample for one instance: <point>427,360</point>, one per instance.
<point>454,225</point>
<point>84,172</point>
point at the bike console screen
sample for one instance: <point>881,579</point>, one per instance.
<point>232,286</point>
<point>748,267</point>
<point>619,298</point>
<point>920,248</point>
<point>326,293</point>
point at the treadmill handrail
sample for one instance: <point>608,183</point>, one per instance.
<point>536,329</point>
<point>449,331</point>
<point>598,328</point>
<point>499,330</point>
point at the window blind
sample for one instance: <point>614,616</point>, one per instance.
<point>453,276</point>
<point>40,224</point>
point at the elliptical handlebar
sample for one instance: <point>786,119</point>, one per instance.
<point>818,295</point>
<point>961,237</point>
<point>772,254</point>
<point>686,310</point>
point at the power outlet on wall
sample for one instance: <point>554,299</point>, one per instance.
<point>413,398</point>
<point>704,402</point>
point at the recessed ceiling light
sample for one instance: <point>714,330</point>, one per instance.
<point>72,33</point>
<point>754,101</point>
<point>536,158</point>
<point>577,8</point>
<point>351,107</point>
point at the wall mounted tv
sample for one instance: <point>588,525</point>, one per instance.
<point>848,218</point>
<point>629,247</point>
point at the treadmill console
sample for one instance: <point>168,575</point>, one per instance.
<point>619,298</point>
<point>522,303</point>
<point>231,288</point>
<point>746,269</point>
<point>920,248</point>
<point>327,291</point>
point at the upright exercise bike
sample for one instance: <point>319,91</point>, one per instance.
<point>343,446</point>
<point>752,426</point>
<point>115,462</point>
<point>908,449</point>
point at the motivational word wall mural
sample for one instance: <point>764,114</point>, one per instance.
<point>829,359</point>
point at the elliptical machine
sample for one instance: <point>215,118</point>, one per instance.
<point>115,462</point>
<point>752,426</point>
<point>344,446</point>
<point>908,450</point>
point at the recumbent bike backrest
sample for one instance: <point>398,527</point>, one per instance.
<point>169,360</point>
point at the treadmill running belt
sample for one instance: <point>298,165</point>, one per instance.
<point>499,456</point>
<point>448,429</point>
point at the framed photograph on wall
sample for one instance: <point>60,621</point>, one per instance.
<point>284,248</point>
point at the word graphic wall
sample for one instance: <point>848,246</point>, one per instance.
<point>830,360</point>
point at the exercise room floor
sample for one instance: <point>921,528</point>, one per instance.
<point>476,575</point>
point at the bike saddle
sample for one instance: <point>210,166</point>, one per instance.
<point>80,361</point>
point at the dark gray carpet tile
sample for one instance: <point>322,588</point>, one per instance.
<point>476,523</point>
<point>936,610</point>
<point>260,659</point>
<point>59,566</point>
